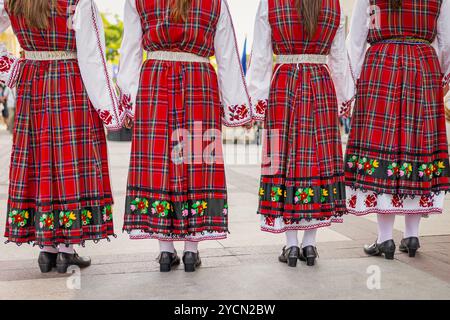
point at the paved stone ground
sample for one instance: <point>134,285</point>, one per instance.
<point>242,267</point>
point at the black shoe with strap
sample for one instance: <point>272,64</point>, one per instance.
<point>47,261</point>
<point>290,256</point>
<point>191,261</point>
<point>309,255</point>
<point>410,245</point>
<point>377,249</point>
<point>168,260</point>
<point>65,260</point>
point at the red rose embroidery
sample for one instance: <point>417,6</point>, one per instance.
<point>106,116</point>
<point>261,107</point>
<point>426,201</point>
<point>238,112</point>
<point>126,102</point>
<point>352,201</point>
<point>397,201</point>
<point>371,201</point>
<point>270,221</point>
<point>5,64</point>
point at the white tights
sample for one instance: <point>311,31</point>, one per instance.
<point>168,246</point>
<point>386,226</point>
<point>60,248</point>
<point>309,238</point>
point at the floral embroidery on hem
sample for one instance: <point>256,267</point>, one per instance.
<point>19,217</point>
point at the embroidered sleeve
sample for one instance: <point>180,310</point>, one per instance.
<point>339,70</point>
<point>261,63</point>
<point>443,40</point>
<point>131,58</point>
<point>9,67</point>
<point>235,99</point>
<point>9,64</point>
<point>357,45</point>
<point>93,66</point>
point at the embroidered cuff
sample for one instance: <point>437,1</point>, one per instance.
<point>345,108</point>
<point>446,80</point>
<point>9,69</point>
<point>106,115</point>
<point>259,109</point>
<point>126,105</point>
<point>236,115</point>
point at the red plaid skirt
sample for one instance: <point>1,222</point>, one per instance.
<point>302,174</point>
<point>398,142</point>
<point>59,191</point>
<point>176,183</point>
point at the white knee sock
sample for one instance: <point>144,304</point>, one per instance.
<point>66,249</point>
<point>49,249</point>
<point>412,223</point>
<point>309,238</point>
<point>166,246</point>
<point>291,238</point>
<point>385,227</point>
<point>190,246</point>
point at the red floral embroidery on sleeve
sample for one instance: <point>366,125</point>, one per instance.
<point>125,102</point>
<point>238,112</point>
<point>106,116</point>
<point>261,107</point>
<point>5,64</point>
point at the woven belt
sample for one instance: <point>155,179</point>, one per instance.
<point>405,40</point>
<point>50,55</point>
<point>176,56</point>
<point>302,58</point>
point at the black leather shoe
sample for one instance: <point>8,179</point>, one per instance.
<point>65,260</point>
<point>410,246</point>
<point>168,260</point>
<point>191,261</point>
<point>377,249</point>
<point>309,255</point>
<point>290,256</point>
<point>47,261</point>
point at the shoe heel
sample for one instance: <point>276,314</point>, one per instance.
<point>412,253</point>
<point>45,268</point>
<point>189,267</point>
<point>62,268</point>
<point>310,261</point>
<point>164,267</point>
<point>292,262</point>
<point>389,255</point>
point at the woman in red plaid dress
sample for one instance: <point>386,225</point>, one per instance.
<point>59,190</point>
<point>397,155</point>
<point>176,184</point>
<point>302,183</point>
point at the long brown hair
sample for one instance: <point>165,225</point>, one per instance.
<point>396,4</point>
<point>35,12</point>
<point>309,10</point>
<point>180,9</point>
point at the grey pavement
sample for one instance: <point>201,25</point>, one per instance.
<point>244,266</point>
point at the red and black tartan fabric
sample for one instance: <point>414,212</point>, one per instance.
<point>398,142</point>
<point>173,193</point>
<point>59,191</point>
<point>303,176</point>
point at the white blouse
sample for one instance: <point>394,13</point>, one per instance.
<point>261,72</point>
<point>90,41</point>
<point>358,45</point>
<point>233,89</point>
